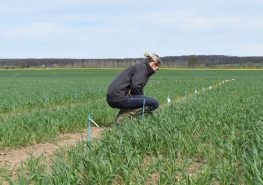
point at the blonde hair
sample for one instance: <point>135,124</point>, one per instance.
<point>153,57</point>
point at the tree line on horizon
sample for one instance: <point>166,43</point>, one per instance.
<point>190,61</point>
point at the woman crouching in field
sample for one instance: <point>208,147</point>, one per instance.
<point>126,90</point>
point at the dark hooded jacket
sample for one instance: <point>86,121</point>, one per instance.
<point>130,82</point>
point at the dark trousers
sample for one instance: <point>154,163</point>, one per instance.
<point>135,102</point>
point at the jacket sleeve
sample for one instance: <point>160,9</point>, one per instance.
<point>138,81</point>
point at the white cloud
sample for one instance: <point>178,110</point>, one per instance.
<point>124,28</point>
<point>252,48</point>
<point>32,30</point>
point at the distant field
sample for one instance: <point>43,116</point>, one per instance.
<point>211,137</point>
<point>241,65</point>
<point>38,104</point>
<point>229,67</point>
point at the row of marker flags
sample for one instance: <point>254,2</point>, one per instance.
<point>143,106</point>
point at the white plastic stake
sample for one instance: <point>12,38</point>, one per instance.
<point>89,126</point>
<point>195,93</point>
<point>168,99</point>
<point>94,122</point>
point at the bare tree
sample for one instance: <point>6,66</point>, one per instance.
<point>192,61</point>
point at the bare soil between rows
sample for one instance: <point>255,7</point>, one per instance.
<point>10,159</point>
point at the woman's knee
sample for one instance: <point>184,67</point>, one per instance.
<point>156,104</point>
<point>153,104</point>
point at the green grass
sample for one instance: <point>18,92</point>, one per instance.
<point>37,105</point>
<point>214,137</point>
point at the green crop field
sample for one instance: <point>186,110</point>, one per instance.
<point>210,133</point>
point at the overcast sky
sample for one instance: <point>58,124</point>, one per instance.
<point>128,28</point>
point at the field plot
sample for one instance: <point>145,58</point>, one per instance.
<point>210,133</point>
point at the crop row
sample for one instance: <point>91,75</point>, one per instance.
<point>24,123</point>
<point>215,138</point>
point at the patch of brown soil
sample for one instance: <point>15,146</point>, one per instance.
<point>11,159</point>
<point>153,179</point>
<point>195,167</point>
